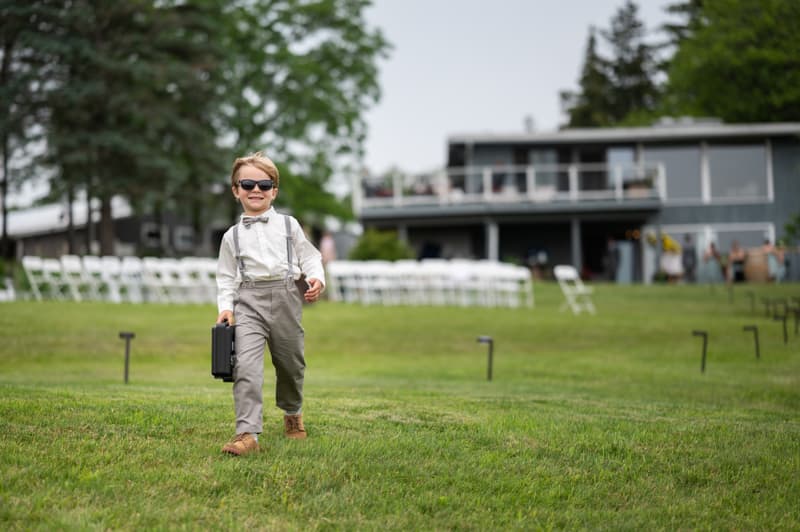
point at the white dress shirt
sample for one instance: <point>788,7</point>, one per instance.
<point>263,250</point>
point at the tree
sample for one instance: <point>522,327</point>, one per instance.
<point>299,77</point>
<point>690,12</point>
<point>591,107</point>
<point>23,67</point>
<point>632,67</point>
<point>151,99</point>
<point>619,88</point>
<point>741,63</point>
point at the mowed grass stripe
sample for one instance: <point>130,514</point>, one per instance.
<point>590,422</point>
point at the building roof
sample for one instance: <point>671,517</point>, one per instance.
<point>52,218</point>
<point>664,131</point>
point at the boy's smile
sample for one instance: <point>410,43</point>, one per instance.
<point>256,201</point>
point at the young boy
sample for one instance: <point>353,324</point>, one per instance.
<point>259,260</point>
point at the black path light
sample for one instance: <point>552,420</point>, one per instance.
<point>796,312</point>
<point>488,340</point>
<point>755,334</point>
<point>785,334</point>
<point>127,336</point>
<point>704,334</point>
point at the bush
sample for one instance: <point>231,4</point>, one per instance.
<point>380,245</point>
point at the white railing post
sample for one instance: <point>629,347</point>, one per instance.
<point>530,181</point>
<point>487,183</point>
<point>442,188</point>
<point>618,182</point>
<point>661,176</point>
<point>573,182</point>
<point>397,190</point>
<point>358,193</point>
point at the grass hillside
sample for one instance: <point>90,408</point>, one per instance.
<point>596,422</point>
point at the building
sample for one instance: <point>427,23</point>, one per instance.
<point>565,196</point>
<point>43,230</point>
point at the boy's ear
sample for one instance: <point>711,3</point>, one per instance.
<point>233,191</point>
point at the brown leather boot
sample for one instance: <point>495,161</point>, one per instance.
<point>241,445</point>
<point>294,427</point>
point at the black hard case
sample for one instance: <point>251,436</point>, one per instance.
<point>223,351</point>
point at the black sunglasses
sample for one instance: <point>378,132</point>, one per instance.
<point>250,184</point>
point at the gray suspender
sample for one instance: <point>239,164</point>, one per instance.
<point>289,246</point>
<point>239,260</point>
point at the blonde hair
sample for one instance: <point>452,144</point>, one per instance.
<point>257,160</point>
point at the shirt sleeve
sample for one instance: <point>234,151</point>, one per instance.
<point>308,256</point>
<point>227,274</point>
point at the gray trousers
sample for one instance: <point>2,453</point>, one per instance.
<point>267,313</point>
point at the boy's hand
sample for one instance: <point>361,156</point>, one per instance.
<point>225,315</point>
<point>314,290</point>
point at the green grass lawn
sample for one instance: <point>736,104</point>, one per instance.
<point>591,422</point>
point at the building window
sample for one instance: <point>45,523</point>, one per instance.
<point>681,168</point>
<point>184,238</point>
<point>738,171</point>
<point>151,235</point>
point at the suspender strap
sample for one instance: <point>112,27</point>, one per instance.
<point>239,260</point>
<point>289,246</point>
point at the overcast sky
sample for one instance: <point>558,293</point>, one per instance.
<point>466,66</point>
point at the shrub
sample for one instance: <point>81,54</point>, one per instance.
<point>380,245</point>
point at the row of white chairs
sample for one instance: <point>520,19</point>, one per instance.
<point>457,282</point>
<point>125,279</point>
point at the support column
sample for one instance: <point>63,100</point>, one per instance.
<point>402,233</point>
<point>575,242</point>
<point>492,240</point>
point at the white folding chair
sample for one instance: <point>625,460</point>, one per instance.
<point>468,290</point>
<point>157,280</point>
<point>103,275</point>
<point>193,274</point>
<point>34,273</point>
<point>409,282</point>
<point>577,296</point>
<point>8,293</point>
<point>344,281</point>
<point>55,279</point>
<point>108,272</point>
<point>131,279</point>
<point>375,282</point>
<point>79,285</point>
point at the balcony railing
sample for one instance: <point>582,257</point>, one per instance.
<point>515,184</point>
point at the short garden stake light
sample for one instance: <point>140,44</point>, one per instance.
<point>127,336</point>
<point>704,334</point>
<point>755,334</point>
<point>785,335</point>
<point>488,340</point>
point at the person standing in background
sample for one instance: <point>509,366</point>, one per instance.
<point>689,259</point>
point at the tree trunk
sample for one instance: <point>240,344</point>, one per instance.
<point>72,245</point>
<point>89,224</point>
<point>106,226</point>
<point>5,248</point>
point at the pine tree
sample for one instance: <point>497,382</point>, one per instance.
<point>619,88</point>
<point>632,66</point>
<point>591,106</point>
